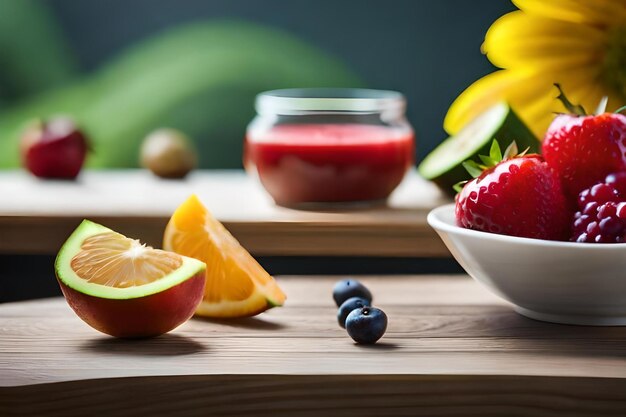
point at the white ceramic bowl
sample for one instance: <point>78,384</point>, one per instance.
<point>560,282</point>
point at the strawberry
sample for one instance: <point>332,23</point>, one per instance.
<point>517,196</point>
<point>583,149</point>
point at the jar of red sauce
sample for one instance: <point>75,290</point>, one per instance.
<point>312,146</point>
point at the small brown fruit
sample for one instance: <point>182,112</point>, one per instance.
<point>168,153</point>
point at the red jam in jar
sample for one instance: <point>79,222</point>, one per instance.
<point>329,146</point>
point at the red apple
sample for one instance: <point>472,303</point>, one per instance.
<point>54,149</point>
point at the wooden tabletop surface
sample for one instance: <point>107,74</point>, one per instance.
<point>451,348</point>
<point>36,216</point>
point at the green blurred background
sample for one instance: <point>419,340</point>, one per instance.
<point>124,68</point>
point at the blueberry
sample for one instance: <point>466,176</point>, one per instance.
<point>347,307</point>
<point>348,288</point>
<point>366,325</point>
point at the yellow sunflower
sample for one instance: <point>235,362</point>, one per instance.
<point>580,44</point>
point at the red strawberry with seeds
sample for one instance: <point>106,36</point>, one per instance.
<point>518,196</point>
<point>583,149</point>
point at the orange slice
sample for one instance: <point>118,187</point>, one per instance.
<point>236,285</point>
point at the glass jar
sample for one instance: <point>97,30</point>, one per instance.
<point>311,146</point>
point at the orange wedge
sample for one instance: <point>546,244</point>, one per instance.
<point>236,285</point>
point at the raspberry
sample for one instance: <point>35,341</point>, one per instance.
<point>602,212</point>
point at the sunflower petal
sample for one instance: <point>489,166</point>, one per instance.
<point>487,91</point>
<point>596,12</point>
<point>581,88</point>
<point>531,94</point>
<point>518,39</point>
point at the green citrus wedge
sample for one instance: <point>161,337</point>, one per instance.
<point>124,288</point>
<point>444,164</point>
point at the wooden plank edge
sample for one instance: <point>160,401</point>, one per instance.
<point>313,395</point>
<point>45,235</point>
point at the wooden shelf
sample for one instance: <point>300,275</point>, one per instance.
<point>451,348</point>
<point>37,216</point>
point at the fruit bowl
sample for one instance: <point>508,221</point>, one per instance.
<point>560,282</point>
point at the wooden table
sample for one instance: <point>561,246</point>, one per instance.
<point>36,216</point>
<point>451,349</point>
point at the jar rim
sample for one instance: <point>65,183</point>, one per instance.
<point>352,100</point>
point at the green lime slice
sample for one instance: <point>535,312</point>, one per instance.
<point>443,165</point>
